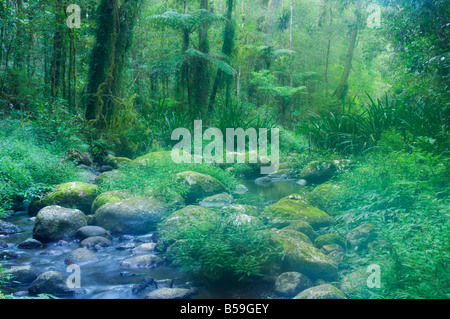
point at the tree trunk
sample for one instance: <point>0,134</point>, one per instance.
<point>227,49</point>
<point>58,58</point>
<point>291,67</point>
<point>200,74</point>
<point>342,87</point>
<point>114,35</point>
<point>327,57</point>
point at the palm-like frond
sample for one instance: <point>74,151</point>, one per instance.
<point>215,59</point>
<point>183,21</point>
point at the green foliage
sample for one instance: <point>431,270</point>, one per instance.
<point>4,277</point>
<point>154,176</point>
<point>28,167</point>
<point>356,129</point>
<point>223,249</point>
<point>405,195</point>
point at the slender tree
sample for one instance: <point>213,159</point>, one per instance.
<point>227,49</point>
<point>342,87</point>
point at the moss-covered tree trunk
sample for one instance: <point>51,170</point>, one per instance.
<point>114,34</point>
<point>227,49</point>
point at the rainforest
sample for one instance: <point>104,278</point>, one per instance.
<point>224,149</point>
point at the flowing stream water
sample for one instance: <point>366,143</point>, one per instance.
<point>107,279</point>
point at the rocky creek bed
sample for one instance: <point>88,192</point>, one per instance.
<point>112,238</point>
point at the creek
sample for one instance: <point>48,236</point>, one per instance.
<point>107,279</point>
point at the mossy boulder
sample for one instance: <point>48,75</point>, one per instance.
<point>76,195</point>
<point>160,157</point>
<point>109,176</point>
<point>50,282</point>
<point>291,283</point>
<point>328,197</point>
<point>330,239</point>
<point>321,171</point>
<point>136,215</point>
<point>109,197</point>
<point>81,256</point>
<point>197,186</point>
<point>219,200</point>
<point>299,255</point>
<point>21,275</point>
<point>54,223</point>
<point>116,162</point>
<point>240,209</point>
<point>303,227</point>
<point>325,291</point>
<point>294,208</point>
<point>178,223</point>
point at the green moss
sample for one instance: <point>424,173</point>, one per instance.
<point>72,195</point>
<point>116,162</point>
<point>320,171</point>
<point>303,227</point>
<point>153,157</point>
<point>298,254</point>
<point>198,186</point>
<point>109,197</point>
<point>330,239</point>
<point>294,208</point>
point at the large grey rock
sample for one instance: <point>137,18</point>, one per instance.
<point>95,242</point>
<point>21,275</point>
<point>80,256</point>
<point>143,248</point>
<point>50,282</point>
<point>325,291</point>
<point>169,293</point>
<point>291,283</point>
<point>138,215</point>
<point>91,231</point>
<point>54,223</point>
<point>143,261</point>
<point>30,243</point>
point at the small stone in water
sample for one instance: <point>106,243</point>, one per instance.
<point>164,283</point>
<point>125,246</point>
<point>62,243</point>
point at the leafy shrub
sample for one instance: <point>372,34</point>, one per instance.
<point>223,249</point>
